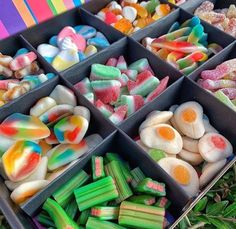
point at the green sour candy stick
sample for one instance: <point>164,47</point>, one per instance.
<point>105,213</point>
<point>94,223</point>
<point>96,193</point>
<point>151,187</point>
<point>163,202</point>
<point>71,209</point>
<point>59,216</point>
<point>224,99</point>
<point>141,216</point>
<point>114,170</point>
<point>98,168</point>
<point>83,217</point>
<point>143,199</point>
<point>65,193</point>
<point>124,166</point>
<point>138,176</point>
<point>44,219</point>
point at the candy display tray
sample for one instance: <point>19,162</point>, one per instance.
<point>117,138</point>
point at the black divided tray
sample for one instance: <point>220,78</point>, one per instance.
<point>120,138</point>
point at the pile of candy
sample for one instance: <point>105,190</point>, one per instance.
<point>180,140</point>
<point>177,2</point>
<point>185,46</point>
<point>37,148</point>
<point>114,194</point>
<point>131,16</point>
<point>19,74</point>
<point>223,19</point>
<point>72,45</point>
<point>221,81</point>
<point>119,90</point>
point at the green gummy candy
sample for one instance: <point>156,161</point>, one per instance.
<point>44,219</point>
<point>140,65</point>
<point>105,213</point>
<point>156,154</point>
<point>151,187</point>
<point>103,72</point>
<point>94,223</point>
<point>97,168</point>
<point>65,193</point>
<point>224,99</point>
<point>143,199</point>
<point>138,176</point>
<point>83,218</point>
<point>71,209</point>
<point>58,215</point>
<point>96,193</point>
<point>163,202</point>
<point>151,6</point>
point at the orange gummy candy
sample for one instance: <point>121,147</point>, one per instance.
<point>123,25</point>
<point>141,11</point>
<point>161,11</point>
<point>143,22</point>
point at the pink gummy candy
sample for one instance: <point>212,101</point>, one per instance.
<point>119,114</point>
<point>231,27</point>
<point>230,92</point>
<point>112,62</point>
<point>110,18</point>
<point>221,70</point>
<point>4,83</point>
<point>160,88</point>
<point>22,61</point>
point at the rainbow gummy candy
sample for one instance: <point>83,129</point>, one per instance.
<point>141,216</point>
<point>149,186</point>
<point>96,193</point>
<point>133,102</point>
<point>105,213</point>
<point>105,109</point>
<point>19,127</point>
<point>143,199</point>
<point>71,129</point>
<point>97,168</point>
<point>84,86</point>
<point>114,170</point>
<point>119,114</point>
<point>64,194</point>
<point>21,160</point>
<point>59,216</point>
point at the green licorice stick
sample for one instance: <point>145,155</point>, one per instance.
<point>83,217</point>
<point>138,176</point>
<point>94,223</point>
<point>125,168</point>
<point>71,209</point>
<point>96,193</point>
<point>105,213</point>
<point>127,205</point>
<point>90,202</point>
<point>163,202</point>
<point>141,216</point>
<point>58,215</point>
<point>97,168</point>
<point>113,169</point>
<point>139,223</point>
<point>143,199</point>
<point>149,186</point>
<point>45,219</point>
<point>65,193</point>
